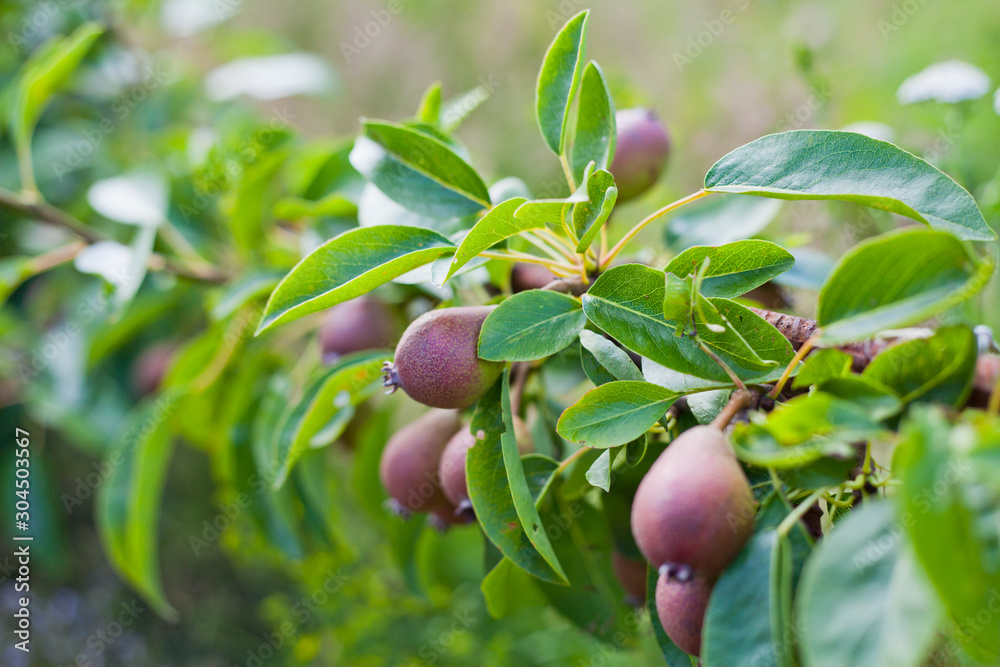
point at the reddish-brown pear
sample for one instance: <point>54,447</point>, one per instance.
<point>360,324</point>
<point>694,507</point>
<point>681,607</point>
<point>436,361</point>
<point>641,152</point>
<point>410,460</point>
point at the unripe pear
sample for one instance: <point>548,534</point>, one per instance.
<point>524,277</point>
<point>681,607</point>
<point>694,508</point>
<point>641,152</point>
<point>410,460</point>
<point>631,574</point>
<point>452,468</point>
<point>436,360</point>
<point>360,324</point>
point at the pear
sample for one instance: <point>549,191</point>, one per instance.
<point>452,468</point>
<point>641,152</point>
<point>410,460</point>
<point>694,507</point>
<point>436,362</point>
<point>360,324</point>
<point>631,574</point>
<point>681,607</point>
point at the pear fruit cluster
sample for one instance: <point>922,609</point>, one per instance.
<point>409,466</point>
<point>688,519</point>
<point>641,152</point>
<point>436,361</point>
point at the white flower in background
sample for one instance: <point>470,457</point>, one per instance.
<point>270,77</point>
<point>116,70</point>
<point>947,82</point>
<point>183,18</point>
<point>872,129</point>
<point>134,199</point>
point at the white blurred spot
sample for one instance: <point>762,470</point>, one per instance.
<point>199,143</point>
<point>872,129</point>
<point>183,18</point>
<point>946,82</point>
<point>270,77</point>
<point>996,102</point>
<point>135,199</point>
<point>108,259</point>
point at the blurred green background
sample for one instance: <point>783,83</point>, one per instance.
<point>367,589</point>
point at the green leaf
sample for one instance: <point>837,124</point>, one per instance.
<point>823,164</point>
<point>734,268</point>
<point>627,303</point>
<point>938,369</point>
<point>498,224</point>
<point>599,473</point>
<point>418,171</point>
<point>531,325</point>
<point>558,80</point>
<point>923,272</point>
<point>678,302</point>
<point>611,357</point>
<point>43,74</point>
<point>881,611</point>
<point>429,110</point>
<point>349,265</point>
<point>823,365</point>
<point>878,400</point>
<point>595,133</point>
<point>333,205</point>
<point>949,496</point>
<point>334,389</point>
<point>128,502</point>
<point>499,490</point>
<point>590,216</point>
<point>238,292</point>
<point>615,413</point>
<point>719,220</point>
<point>541,212</point>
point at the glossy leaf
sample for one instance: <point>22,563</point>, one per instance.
<point>824,164</point>
<point>938,369</point>
<point>627,303</point>
<point>596,129</point>
<point>429,110</point>
<point>531,325</point>
<point>615,413</point>
<point>611,357</point>
<point>599,473</point>
<point>590,216</point>
<point>499,491</point>
<point>925,273</point>
<point>735,268</point>
<point>349,265</point>
<point>881,610</point>
<point>334,388</point>
<point>497,225</point>
<point>559,79</point>
<point>823,365</point>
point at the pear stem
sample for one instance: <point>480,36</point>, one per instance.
<point>740,400</point>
